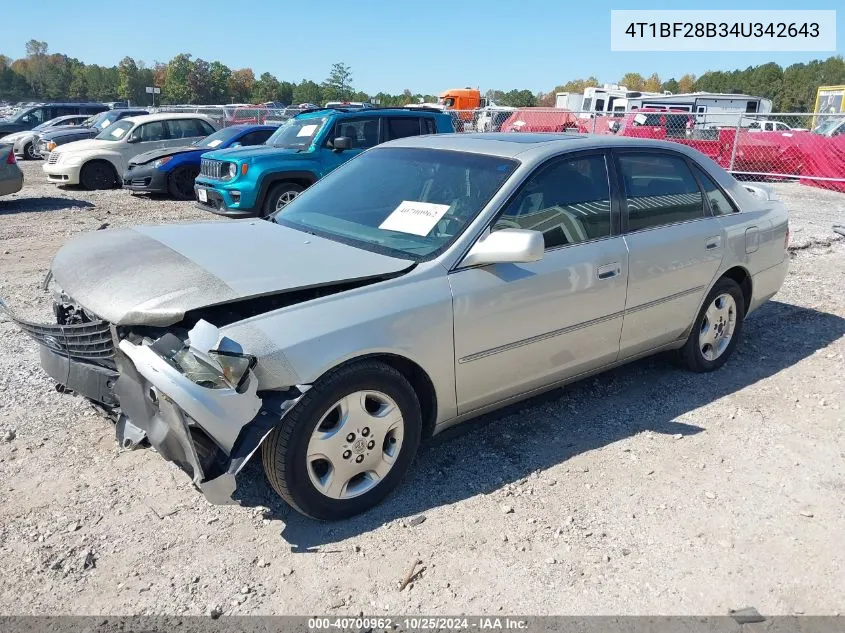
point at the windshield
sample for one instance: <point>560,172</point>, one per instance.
<point>829,125</point>
<point>296,133</point>
<point>115,132</point>
<point>30,116</point>
<point>220,137</point>
<point>424,200</point>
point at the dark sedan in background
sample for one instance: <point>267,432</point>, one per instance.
<point>93,126</point>
<point>38,113</point>
<point>172,170</point>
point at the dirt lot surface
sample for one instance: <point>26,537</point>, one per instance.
<point>646,490</point>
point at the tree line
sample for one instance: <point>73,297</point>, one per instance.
<point>189,80</point>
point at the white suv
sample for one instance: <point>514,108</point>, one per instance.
<point>98,163</point>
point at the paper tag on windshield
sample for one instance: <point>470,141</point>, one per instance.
<point>417,218</point>
<point>640,118</point>
<point>118,132</point>
<point>215,142</point>
<point>306,130</point>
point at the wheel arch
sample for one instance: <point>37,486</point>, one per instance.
<point>101,159</point>
<point>303,178</point>
<point>420,381</point>
<point>743,279</point>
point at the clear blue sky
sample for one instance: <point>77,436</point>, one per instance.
<point>427,46</point>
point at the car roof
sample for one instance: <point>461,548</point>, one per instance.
<point>357,112</point>
<point>166,116</point>
<point>530,146</point>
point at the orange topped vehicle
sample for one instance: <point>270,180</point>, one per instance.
<point>465,100</point>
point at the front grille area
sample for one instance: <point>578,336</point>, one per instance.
<point>53,159</point>
<point>89,341</point>
<point>137,182</point>
<point>213,168</point>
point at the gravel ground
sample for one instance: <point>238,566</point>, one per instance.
<point>646,490</point>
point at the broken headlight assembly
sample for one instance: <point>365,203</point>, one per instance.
<point>213,369</point>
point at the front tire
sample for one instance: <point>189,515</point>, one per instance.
<point>180,184</point>
<point>716,329</point>
<point>29,152</point>
<point>279,197</point>
<point>348,442</point>
<point>98,175</point>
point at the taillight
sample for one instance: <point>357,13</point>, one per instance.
<point>10,159</point>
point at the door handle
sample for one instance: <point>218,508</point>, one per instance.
<point>608,270</point>
<point>713,242</point>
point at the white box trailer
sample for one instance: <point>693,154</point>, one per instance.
<point>710,109</point>
<point>569,100</point>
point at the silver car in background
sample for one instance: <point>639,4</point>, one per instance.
<point>11,176</point>
<point>424,282</point>
<point>26,143</point>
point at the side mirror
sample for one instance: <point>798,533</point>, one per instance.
<point>508,246</point>
<point>341,143</point>
<point>133,139</point>
<point>235,144</point>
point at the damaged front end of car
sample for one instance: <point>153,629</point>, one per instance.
<point>196,401</point>
<point>191,394</point>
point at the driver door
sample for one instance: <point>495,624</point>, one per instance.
<point>520,327</point>
<point>364,133</point>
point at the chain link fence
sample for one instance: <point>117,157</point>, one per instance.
<point>806,147</point>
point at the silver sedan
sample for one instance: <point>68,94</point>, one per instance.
<point>424,282</point>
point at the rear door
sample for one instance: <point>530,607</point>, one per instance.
<point>181,132</point>
<point>675,247</point>
<point>402,127</point>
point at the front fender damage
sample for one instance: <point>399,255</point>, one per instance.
<point>210,433</point>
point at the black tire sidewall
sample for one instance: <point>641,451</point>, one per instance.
<point>276,192</point>
<point>173,189</point>
<point>29,151</point>
<point>306,497</point>
<point>86,181</point>
<point>692,352</point>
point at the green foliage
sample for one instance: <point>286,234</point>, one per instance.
<point>338,87</point>
<point>41,75</point>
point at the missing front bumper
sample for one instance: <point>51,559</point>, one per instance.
<point>209,433</point>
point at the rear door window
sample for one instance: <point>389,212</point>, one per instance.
<point>719,202</point>
<point>401,127</point>
<point>659,189</point>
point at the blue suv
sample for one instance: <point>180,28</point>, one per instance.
<point>257,181</point>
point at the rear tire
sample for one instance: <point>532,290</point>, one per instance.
<point>180,183</point>
<point>280,195</point>
<point>716,329</point>
<point>354,447</point>
<point>98,175</point>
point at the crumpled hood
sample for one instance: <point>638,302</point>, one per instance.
<point>153,275</point>
<point>155,154</point>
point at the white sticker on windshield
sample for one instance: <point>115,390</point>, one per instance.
<point>117,132</point>
<point>417,218</point>
<point>306,130</point>
<point>215,142</point>
<point>640,118</point>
